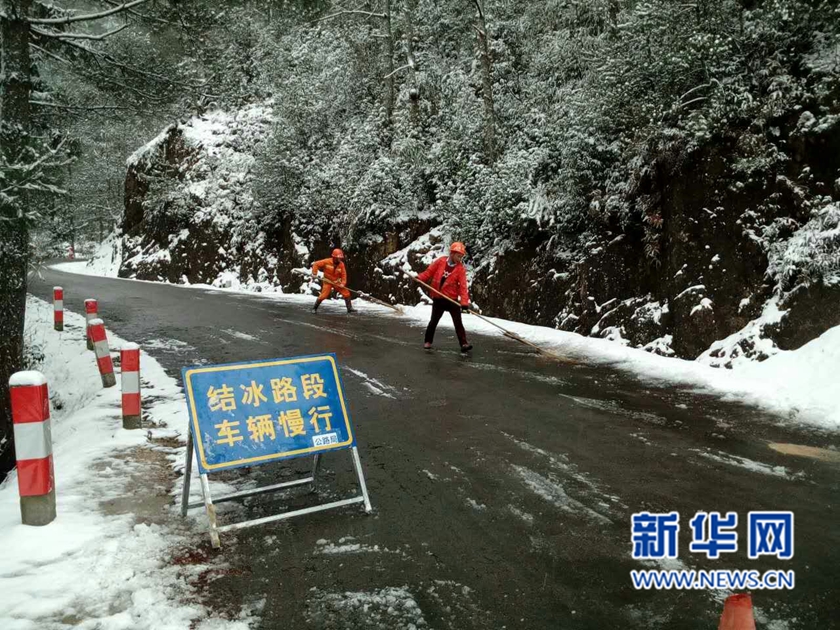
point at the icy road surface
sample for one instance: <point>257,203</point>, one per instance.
<point>502,483</point>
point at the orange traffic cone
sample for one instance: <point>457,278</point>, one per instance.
<point>737,613</point>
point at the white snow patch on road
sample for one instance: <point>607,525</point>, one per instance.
<point>641,438</point>
<point>480,507</point>
<point>92,569</point>
<point>554,493</point>
<point>612,406</point>
<point>378,388</point>
<point>533,376</point>
<point>390,608</point>
<point>528,518</point>
<point>749,464</point>
<point>560,463</point>
<point>172,345</point>
<point>240,335</point>
<point>330,549</point>
<point>347,546</point>
<point>665,564</point>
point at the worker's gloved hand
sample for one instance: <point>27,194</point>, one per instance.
<point>466,308</point>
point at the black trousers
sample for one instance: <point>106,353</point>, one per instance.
<point>439,307</point>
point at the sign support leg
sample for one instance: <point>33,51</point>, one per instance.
<point>358,465</point>
<point>316,464</point>
<point>211,512</point>
<point>185,496</point>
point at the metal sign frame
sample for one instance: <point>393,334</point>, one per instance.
<point>209,503</point>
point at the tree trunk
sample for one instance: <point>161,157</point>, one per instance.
<point>414,90</point>
<point>487,83</point>
<point>389,65</point>
<point>613,9</point>
<point>14,232</point>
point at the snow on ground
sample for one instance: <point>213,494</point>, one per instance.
<point>749,464</point>
<point>528,518</point>
<point>480,507</point>
<point>105,563</point>
<point>560,463</point>
<point>105,261</point>
<point>240,335</point>
<point>553,492</point>
<point>796,385</point>
<point>393,608</point>
<point>378,388</point>
<point>347,545</point>
<point>172,345</point>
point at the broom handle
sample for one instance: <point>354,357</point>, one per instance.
<point>359,293</point>
<point>506,332</point>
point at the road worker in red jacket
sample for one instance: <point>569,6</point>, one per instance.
<point>448,276</point>
<point>336,272</point>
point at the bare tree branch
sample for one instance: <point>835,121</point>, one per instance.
<point>87,17</point>
<point>479,8</point>
<point>50,54</point>
<point>33,171</point>
<point>107,79</point>
<point>79,35</point>
<point>78,107</point>
<point>381,16</point>
<point>400,69</point>
<point>111,60</point>
<point>142,16</point>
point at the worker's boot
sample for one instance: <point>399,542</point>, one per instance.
<point>317,304</point>
<point>349,304</point>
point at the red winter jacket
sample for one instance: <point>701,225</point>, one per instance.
<point>454,280</point>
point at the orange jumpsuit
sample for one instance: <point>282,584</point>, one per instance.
<point>333,273</point>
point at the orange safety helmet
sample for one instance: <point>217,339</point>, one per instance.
<point>337,253</point>
<point>458,248</point>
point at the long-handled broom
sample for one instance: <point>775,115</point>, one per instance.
<point>361,294</point>
<point>507,333</point>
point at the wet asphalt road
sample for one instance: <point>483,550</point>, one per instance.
<point>502,483</point>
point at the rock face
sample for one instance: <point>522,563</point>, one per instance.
<point>689,271</point>
<point>190,216</point>
<point>714,218</point>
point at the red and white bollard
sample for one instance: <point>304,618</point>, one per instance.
<point>130,378</point>
<point>91,312</point>
<point>58,308</point>
<point>103,352</point>
<point>33,447</point>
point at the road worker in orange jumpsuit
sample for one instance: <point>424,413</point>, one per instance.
<point>449,276</point>
<point>336,272</point>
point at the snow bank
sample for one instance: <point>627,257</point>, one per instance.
<point>794,384</point>
<point>805,380</point>
<point>95,567</point>
<point>106,260</point>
